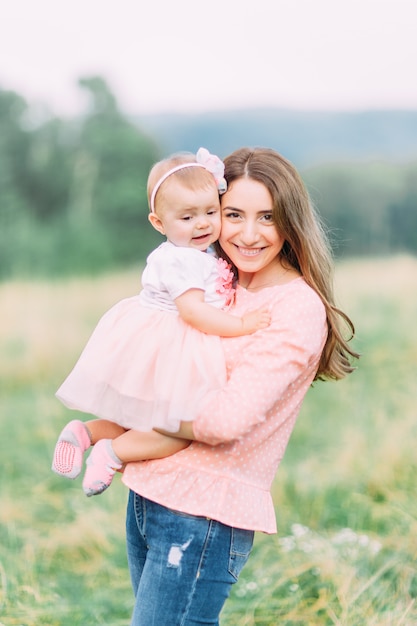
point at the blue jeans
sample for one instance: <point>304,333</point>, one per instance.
<point>182,566</point>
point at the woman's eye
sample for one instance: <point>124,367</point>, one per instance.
<point>268,217</point>
<point>232,215</point>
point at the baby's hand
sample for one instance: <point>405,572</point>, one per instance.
<point>255,320</point>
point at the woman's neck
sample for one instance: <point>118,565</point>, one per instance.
<point>270,277</point>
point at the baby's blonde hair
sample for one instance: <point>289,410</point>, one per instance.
<point>191,177</point>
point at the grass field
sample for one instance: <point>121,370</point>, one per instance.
<point>346,551</point>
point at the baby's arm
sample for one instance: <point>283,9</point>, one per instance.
<point>207,318</point>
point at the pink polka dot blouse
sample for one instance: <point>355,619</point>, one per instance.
<point>243,430</point>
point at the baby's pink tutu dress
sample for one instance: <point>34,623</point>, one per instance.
<point>144,367</point>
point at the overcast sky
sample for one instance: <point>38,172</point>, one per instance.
<point>201,55</point>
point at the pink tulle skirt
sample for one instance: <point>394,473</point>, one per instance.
<point>144,368</point>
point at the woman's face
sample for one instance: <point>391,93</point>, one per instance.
<point>249,236</point>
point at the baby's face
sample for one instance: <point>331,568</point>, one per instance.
<point>191,218</point>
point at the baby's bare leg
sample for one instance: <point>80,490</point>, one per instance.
<point>133,445</point>
<point>103,429</point>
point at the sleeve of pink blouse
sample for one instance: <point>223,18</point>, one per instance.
<point>272,362</point>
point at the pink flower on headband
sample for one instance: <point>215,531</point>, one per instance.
<point>215,166</point>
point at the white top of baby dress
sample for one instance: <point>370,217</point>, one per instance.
<point>172,270</point>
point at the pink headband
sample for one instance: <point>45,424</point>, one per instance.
<point>210,162</point>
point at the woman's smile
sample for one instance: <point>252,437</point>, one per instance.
<point>249,251</point>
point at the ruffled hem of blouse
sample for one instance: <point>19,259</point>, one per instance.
<point>225,499</point>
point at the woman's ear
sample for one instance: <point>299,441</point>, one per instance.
<point>156,223</point>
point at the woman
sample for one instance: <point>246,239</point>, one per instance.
<point>191,517</point>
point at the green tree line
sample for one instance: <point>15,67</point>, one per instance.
<point>73,192</point>
<point>370,209</point>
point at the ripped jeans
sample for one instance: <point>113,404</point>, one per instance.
<point>182,566</point>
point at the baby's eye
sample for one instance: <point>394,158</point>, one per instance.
<point>212,212</point>
<point>186,218</point>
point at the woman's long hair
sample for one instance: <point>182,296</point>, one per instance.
<point>306,246</point>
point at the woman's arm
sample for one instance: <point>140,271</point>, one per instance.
<point>277,364</point>
<point>208,319</point>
